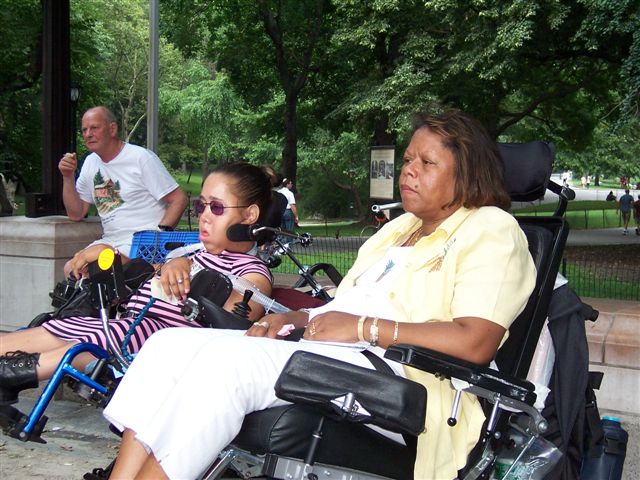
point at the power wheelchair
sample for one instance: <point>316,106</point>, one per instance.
<point>313,438</point>
<point>109,290</point>
<point>284,442</point>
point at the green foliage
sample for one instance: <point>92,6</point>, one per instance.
<point>334,163</point>
<point>19,90</point>
<point>315,83</point>
<point>207,110</point>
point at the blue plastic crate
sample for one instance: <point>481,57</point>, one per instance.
<point>153,246</point>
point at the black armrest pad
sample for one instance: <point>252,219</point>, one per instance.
<point>447,366</point>
<point>390,401</point>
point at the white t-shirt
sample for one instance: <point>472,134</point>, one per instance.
<point>126,191</point>
<point>291,199</point>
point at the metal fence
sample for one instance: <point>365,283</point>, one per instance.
<point>587,277</point>
<point>590,278</point>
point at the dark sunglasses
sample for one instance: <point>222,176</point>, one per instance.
<point>217,208</point>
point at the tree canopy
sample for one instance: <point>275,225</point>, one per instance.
<point>309,85</point>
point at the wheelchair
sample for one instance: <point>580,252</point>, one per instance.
<point>109,289</point>
<point>321,434</point>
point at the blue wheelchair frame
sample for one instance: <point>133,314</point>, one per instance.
<point>151,246</point>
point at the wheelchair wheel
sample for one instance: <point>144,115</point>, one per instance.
<point>367,231</point>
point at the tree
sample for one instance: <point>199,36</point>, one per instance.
<point>20,144</point>
<point>265,46</point>
<point>338,161</point>
<point>207,108</point>
<point>110,56</point>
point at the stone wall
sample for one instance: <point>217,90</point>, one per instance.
<point>33,252</point>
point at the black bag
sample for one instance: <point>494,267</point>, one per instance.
<point>391,402</point>
<point>75,301</point>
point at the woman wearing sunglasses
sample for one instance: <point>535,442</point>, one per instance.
<point>232,194</point>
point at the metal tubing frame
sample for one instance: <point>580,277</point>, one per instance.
<point>64,368</point>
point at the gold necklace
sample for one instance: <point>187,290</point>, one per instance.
<point>413,239</point>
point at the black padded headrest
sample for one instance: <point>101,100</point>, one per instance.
<point>527,169</point>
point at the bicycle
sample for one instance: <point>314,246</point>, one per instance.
<point>379,217</point>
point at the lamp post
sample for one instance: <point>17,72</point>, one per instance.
<point>75,92</point>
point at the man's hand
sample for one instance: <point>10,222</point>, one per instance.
<point>68,165</point>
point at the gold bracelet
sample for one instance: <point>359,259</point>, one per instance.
<point>373,332</point>
<point>396,325</point>
<point>361,328</point>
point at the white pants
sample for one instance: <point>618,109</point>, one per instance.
<point>188,391</point>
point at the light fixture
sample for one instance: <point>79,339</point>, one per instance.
<point>75,92</point>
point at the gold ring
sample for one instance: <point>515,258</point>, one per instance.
<point>262,323</point>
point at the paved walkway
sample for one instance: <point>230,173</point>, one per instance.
<point>602,236</point>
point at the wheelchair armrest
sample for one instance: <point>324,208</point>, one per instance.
<point>446,366</point>
<point>348,392</point>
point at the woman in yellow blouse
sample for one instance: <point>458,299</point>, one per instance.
<point>451,274</point>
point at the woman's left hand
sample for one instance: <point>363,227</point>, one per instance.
<point>333,327</point>
<point>174,277</point>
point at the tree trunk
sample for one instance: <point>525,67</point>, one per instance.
<point>205,164</point>
<point>357,203</point>
<point>381,135</point>
<point>290,151</point>
<point>293,71</point>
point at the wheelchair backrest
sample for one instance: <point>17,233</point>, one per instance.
<point>546,237</point>
<point>527,176</point>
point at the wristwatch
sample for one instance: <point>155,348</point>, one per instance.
<point>165,228</point>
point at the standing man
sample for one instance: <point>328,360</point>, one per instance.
<point>625,203</point>
<point>290,217</point>
<point>130,187</point>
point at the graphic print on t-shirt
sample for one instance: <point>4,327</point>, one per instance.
<point>106,194</point>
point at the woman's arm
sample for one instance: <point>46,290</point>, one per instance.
<point>83,258</point>
<point>469,338</point>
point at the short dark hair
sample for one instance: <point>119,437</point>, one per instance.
<point>252,184</point>
<point>479,170</point>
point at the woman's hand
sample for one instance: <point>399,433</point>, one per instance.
<point>333,327</point>
<point>175,279</point>
<point>80,262</point>
<point>269,325</point>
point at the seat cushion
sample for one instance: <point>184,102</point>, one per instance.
<point>287,431</point>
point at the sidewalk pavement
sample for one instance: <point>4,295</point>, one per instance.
<point>602,236</point>
<point>78,440</point>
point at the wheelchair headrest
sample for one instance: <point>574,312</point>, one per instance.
<point>527,168</point>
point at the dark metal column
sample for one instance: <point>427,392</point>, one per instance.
<point>56,108</point>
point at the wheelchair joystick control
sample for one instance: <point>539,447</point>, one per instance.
<point>242,308</point>
<point>452,420</point>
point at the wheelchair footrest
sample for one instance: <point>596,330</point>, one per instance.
<point>13,422</point>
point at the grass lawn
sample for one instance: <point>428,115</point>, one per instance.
<point>581,214</point>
